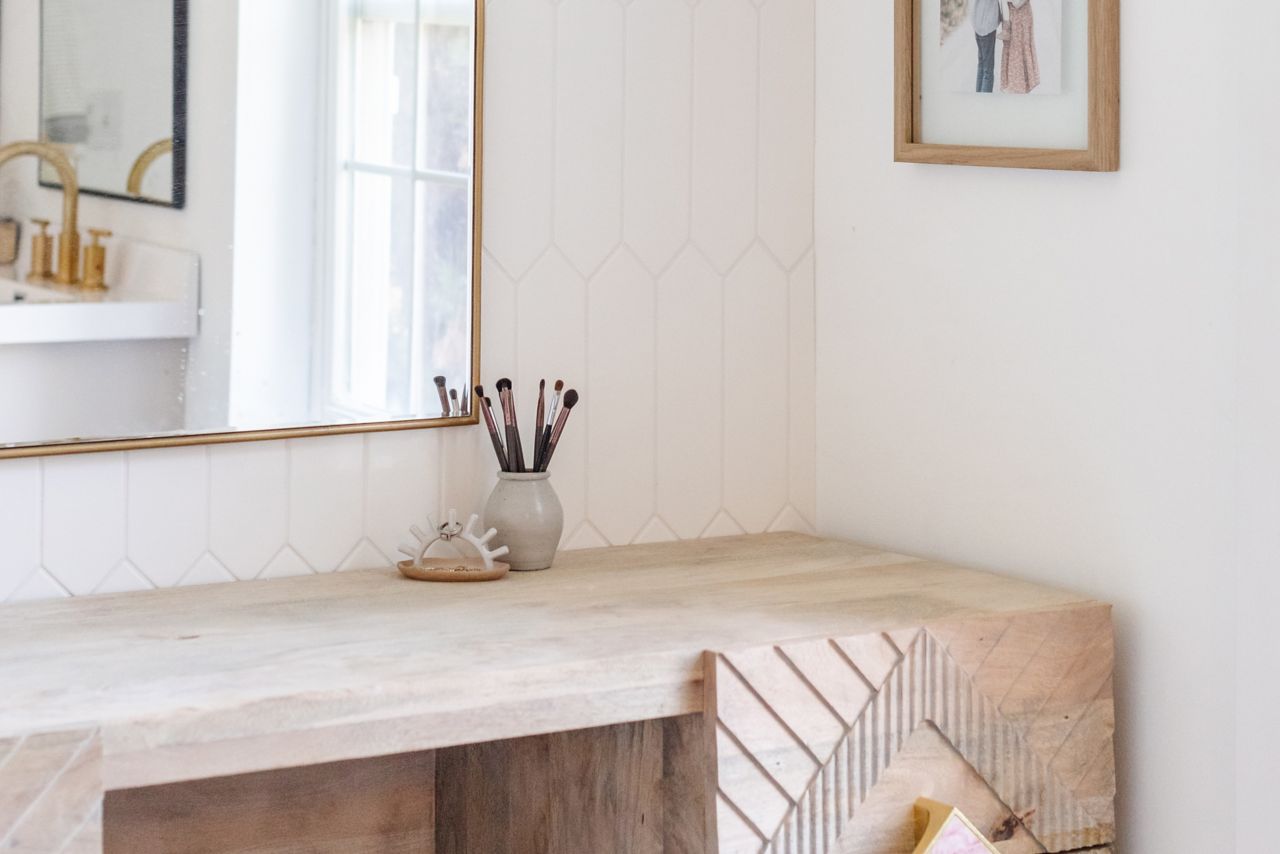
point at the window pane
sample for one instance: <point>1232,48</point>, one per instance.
<point>444,277</point>
<point>384,65</point>
<point>444,105</point>
<point>373,312</point>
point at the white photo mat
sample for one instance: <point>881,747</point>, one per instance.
<point>1056,116</point>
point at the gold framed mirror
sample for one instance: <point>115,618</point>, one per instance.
<point>323,274</point>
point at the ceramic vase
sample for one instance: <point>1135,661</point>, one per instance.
<point>525,510</point>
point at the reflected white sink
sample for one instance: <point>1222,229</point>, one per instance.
<point>154,293</point>
<point>22,292</point>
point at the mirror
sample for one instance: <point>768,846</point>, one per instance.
<point>112,95</point>
<point>307,259</point>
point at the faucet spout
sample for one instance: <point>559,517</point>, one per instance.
<point>151,154</point>
<point>69,240</point>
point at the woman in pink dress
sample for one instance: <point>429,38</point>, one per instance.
<point>1019,70</point>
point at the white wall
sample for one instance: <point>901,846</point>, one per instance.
<point>275,278</point>
<point>1256,121</point>
<point>648,236</point>
<point>1037,373</point>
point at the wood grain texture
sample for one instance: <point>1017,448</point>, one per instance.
<point>637,788</point>
<point>51,792</point>
<point>1009,718</point>
<point>368,805</point>
<point>230,679</point>
<point>1103,153</point>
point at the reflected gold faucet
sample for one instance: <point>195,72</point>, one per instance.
<point>69,241</point>
<point>150,155</point>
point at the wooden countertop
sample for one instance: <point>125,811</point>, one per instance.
<point>209,681</point>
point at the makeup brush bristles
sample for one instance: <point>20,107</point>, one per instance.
<point>515,452</point>
<point>570,401</point>
<point>549,424</point>
<point>444,396</point>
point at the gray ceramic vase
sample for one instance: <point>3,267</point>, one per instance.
<point>525,510</point>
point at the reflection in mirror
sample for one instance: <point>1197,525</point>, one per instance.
<point>112,89</point>
<point>320,273</point>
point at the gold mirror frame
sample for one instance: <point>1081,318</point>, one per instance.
<point>477,169</point>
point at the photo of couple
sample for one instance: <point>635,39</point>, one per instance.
<point>1009,47</point>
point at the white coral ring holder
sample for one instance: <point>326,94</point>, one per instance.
<point>482,567</point>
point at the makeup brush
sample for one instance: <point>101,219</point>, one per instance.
<point>487,408</point>
<point>515,453</point>
<point>539,422</point>
<point>444,397</point>
<point>544,435</point>
<point>570,401</point>
<point>455,408</point>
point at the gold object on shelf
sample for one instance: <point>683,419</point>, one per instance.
<point>150,155</point>
<point>8,241</point>
<point>41,253</point>
<point>95,261</point>
<point>943,829</point>
<point>68,272</point>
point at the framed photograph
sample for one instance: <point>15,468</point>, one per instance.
<point>1030,84</point>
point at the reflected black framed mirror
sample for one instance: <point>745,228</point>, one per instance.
<point>113,96</point>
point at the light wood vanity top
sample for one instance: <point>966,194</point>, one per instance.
<point>200,682</point>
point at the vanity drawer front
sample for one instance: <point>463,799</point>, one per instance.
<point>824,745</point>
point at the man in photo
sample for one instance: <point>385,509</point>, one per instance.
<point>987,18</point>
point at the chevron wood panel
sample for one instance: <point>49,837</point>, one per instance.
<point>51,793</point>
<point>823,746</point>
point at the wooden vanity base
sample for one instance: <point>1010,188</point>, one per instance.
<point>776,694</point>
<point>635,788</point>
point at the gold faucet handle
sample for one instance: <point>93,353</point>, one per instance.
<point>95,261</point>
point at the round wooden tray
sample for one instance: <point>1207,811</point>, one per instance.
<point>452,569</point>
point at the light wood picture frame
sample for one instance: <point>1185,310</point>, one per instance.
<point>1103,152</point>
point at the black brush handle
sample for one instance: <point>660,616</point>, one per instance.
<point>543,441</point>
<point>515,432</point>
<point>493,435</point>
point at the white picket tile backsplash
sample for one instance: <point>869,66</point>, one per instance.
<point>248,505</point>
<point>659,121</point>
<point>172,485</point>
<point>756,410</point>
<point>519,130</point>
<point>590,47</point>
<point>785,172</point>
<point>648,237</point>
<point>622,406</point>
<point>726,128</point>
<point>20,524</point>
<point>84,519</point>
<point>690,367</point>
<point>326,499</point>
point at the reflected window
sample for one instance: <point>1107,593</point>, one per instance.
<point>398,307</point>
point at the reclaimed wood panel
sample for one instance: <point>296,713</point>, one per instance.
<point>357,807</point>
<point>1010,718</point>
<point>51,793</point>
<point>638,788</point>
